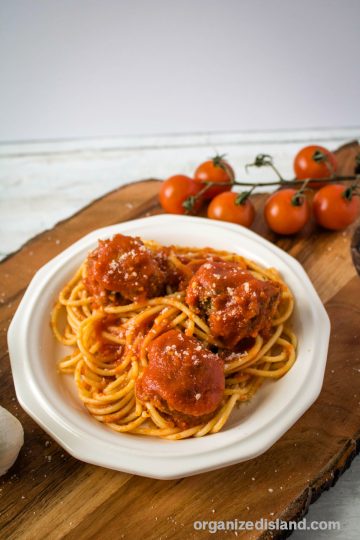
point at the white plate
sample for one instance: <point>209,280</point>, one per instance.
<point>51,399</point>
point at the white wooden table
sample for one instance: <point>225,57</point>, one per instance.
<point>43,183</point>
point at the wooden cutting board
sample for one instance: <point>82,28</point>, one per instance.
<point>49,494</point>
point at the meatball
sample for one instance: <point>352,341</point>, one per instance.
<point>182,379</point>
<point>124,265</point>
<point>235,304</point>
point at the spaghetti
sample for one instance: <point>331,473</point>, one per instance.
<point>111,337</point>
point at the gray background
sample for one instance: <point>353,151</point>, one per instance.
<point>81,68</point>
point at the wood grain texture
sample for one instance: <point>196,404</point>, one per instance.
<point>355,249</point>
<point>49,494</point>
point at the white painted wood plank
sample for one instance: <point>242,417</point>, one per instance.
<point>163,142</point>
<point>42,183</point>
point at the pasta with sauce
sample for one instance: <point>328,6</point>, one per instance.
<point>166,341</point>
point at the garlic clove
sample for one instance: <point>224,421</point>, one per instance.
<point>11,439</point>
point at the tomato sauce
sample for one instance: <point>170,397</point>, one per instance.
<point>235,304</point>
<point>182,379</point>
<point>126,266</point>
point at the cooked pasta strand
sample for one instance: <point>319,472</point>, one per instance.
<point>110,343</point>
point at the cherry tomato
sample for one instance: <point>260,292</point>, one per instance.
<point>224,208</point>
<point>334,211</point>
<point>175,190</point>
<point>282,215</point>
<point>314,162</point>
<point>215,170</point>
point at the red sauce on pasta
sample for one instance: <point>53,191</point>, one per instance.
<point>236,304</point>
<point>182,379</point>
<point>124,265</point>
